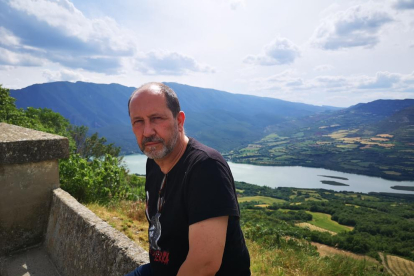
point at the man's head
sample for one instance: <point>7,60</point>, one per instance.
<point>156,119</point>
<point>172,100</point>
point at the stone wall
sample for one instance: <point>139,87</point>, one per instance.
<point>36,214</point>
<point>28,174</point>
<point>80,243</point>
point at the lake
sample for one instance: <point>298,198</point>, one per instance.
<point>298,177</point>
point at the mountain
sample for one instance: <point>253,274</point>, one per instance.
<point>219,119</point>
<point>375,138</point>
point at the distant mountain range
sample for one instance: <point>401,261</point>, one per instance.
<point>375,138</point>
<point>219,119</point>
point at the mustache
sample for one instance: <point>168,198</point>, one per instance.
<point>151,139</point>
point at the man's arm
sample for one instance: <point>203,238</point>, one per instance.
<point>207,239</point>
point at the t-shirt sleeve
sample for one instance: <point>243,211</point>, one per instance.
<point>211,191</point>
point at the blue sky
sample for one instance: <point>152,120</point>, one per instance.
<point>319,52</point>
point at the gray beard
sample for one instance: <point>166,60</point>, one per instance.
<point>152,153</point>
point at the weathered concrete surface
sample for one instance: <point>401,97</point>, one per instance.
<point>25,197</point>
<point>23,145</point>
<point>32,262</point>
<point>80,243</point>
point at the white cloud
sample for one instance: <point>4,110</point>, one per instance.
<point>280,51</point>
<point>404,4</point>
<point>169,63</point>
<point>18,59</point>
<point>290,82</point>
<point>8,38</point>
<point>323,67</point>
<point>358,26</point>
<point>102,34</point>
<point>235,4</point>
<point>332,81</point>
<point>62,75</point>
<point>381,80</point>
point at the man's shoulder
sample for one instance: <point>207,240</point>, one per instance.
<point>201,152</point>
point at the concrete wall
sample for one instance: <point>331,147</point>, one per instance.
<point>80,243</point>
<point>34,211</point>
<point>28,174</point>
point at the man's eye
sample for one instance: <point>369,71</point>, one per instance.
<point>137,122</point>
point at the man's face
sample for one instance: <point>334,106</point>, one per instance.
<point>153,124</point>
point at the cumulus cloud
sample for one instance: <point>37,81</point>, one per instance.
<point>169,63</point>
<point>323,67</point>
<point>8,57</point>
<point>101,34</point>
<point>291,82</point>
<point>58,32</point>
<point>235,4</point>
<point>358,26</point>
<point>381,80</point>
<point>62,75</point>
<point>8,38</point>
<point>280,51</point>
<point>404,4</point>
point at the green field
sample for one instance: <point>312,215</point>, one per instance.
<point>261,199</point>
<point>324,221</point>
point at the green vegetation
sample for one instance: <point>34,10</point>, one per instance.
<point>336,177</point>
<point>324,221</point>
<point>333,183</point>
<point>404,188</point>
<point>93,172</point>
<point>382,222</point>
<point>365,224</point>
<point>371,139</point>
<point>261,200</point>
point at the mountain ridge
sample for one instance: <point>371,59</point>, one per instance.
<point>220,119</point>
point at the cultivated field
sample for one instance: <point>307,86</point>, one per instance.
<point>313,227</point>
<point>325,250</point>
<point>261,199</point>
<point>398,266</point>
<point>324,221</point>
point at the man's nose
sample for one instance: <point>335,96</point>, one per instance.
<point>148,130</point>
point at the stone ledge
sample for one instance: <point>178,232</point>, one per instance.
<point>80,243</point>
<point>22,145</point>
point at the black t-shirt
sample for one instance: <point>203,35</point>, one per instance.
<point>198,187</point>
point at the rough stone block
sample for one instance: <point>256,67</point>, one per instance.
<point>80,243</point>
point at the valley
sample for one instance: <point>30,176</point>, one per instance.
<point>362,141</point>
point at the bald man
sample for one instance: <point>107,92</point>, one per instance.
<point>191,202</point>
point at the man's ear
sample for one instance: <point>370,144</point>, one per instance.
<point>180,120</point>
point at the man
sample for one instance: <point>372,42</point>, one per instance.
<point>191,205</point>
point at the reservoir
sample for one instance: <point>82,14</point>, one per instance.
<point>297,177</point>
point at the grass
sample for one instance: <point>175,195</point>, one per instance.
<point>127,217</point>
<point>289,262</point>
<point>324,221</point>
<point>261,199</point>
<point>313,227</point>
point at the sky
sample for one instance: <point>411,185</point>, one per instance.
<point>336,53</point>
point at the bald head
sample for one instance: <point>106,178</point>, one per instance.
<point>157,87</point>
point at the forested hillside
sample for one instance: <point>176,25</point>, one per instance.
<point>375,139</point>
<point>219,119</point>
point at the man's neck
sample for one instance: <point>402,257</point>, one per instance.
<point>168,162</point>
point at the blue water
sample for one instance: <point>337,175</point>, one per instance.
<point>298,177</point>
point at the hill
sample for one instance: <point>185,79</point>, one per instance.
<point>219,119</point>
<point>375,139</point>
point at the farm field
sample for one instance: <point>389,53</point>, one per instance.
<point>261,200</point>
<point>398,266</point>
<point>355,143</point>
<point>324,221</point>
<point>364,224</point>
<point>325,250</point>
